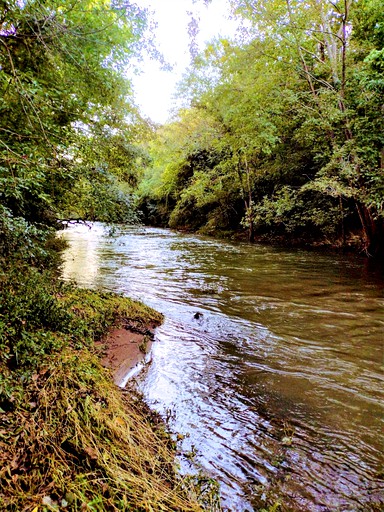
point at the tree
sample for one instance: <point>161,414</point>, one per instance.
<point>296,106</point>
<point>61,75</point>
<point>322,40</point>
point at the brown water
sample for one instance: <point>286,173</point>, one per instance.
<point>278,385</point>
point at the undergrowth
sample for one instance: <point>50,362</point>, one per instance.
<point>70,440</point>
<point>40,314</point>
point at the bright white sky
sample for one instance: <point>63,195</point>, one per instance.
<point>154,88</point>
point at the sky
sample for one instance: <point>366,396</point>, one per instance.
<point>154,87</point>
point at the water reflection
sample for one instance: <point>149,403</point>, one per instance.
<point>82,257</point>
<point>278,384</point>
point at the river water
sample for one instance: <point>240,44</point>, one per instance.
<point>277,381</point>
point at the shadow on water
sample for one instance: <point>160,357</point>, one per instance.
<point>269,361</point>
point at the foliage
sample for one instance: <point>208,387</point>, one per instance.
<point>297,212</point>
<point>290,122</point>
<point>20,239</point>
<point>40,314</point>
<point>65,105</point>
<point>105,199</point>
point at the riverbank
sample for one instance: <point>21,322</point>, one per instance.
<point>70,439</point>
<point>126,348</point>
<point>352,245</point>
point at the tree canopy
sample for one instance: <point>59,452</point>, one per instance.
<point>283,132</point>
<point>68,121</point>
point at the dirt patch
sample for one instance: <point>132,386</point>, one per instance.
<point>125,347</point>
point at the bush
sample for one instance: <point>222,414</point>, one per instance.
<point>297,213</point>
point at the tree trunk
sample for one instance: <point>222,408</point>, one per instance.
<point>342,221</point>
<point>251,227</point>
<point>373,231</point>
<point>246,192</point>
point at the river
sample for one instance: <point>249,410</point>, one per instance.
<point>269,361</point>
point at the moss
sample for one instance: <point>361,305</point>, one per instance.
<point>40,315</point>
<point>95,312</point>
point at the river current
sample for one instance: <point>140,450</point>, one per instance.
<point>269,361</point>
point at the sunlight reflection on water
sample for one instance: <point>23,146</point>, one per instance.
<point>278,385</point>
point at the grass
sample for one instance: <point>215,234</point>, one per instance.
<point>70,440</point>
<point>80,443</point>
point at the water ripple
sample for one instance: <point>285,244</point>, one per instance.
<point>277,383</point>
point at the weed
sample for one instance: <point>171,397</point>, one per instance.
<point>81,440</point>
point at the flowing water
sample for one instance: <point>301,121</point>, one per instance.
<point>277,381</point>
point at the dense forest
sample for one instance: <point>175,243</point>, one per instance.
<point>279,134</point>
<point>282,134</point>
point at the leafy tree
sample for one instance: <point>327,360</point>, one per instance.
<point>61,75</point>
<point>322,41</point>
<point>296,110</point>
